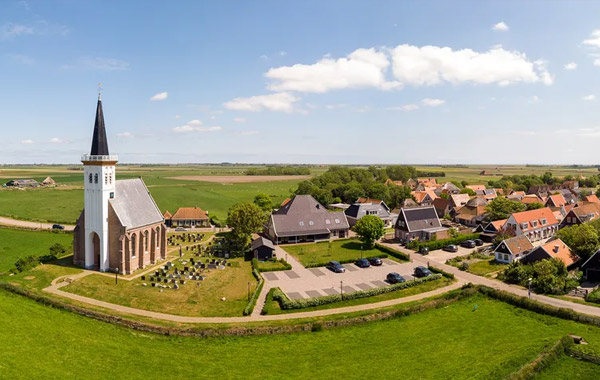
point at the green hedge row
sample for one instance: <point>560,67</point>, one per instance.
<point>543,360</point>
<point>593,296</point>
<point>268,302</point>
<point>439,244</point>
<point>286,304</point>
<point>392,252</point>
<point>284,266</point>
<point>442,272</point>
<point>348,261</point>
<point>250,307</point>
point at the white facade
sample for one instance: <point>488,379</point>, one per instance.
<point>99,179</point>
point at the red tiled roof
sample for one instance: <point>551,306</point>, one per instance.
<point>167,215</point>
<point>557,200</point>
<point>190,213</point>
<point>559,250</point>
<point>535,215</point>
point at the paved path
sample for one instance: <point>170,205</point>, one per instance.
<point>32,225</point>
<point>462,278</point>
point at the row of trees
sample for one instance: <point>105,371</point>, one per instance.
<point>279,170</point>
<point>548,276</point>
<point>583,239</point>
<point>501,208</point>
<point>524,182</point>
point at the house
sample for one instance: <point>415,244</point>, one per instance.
<point>389,182</point>
<point>472,213</point>
<point>427,181</point>
<point>424,198</point>
<point>412,184</point>
<point>513,249</point>
<point>555,200</point>
<point>555,249</point>
<point>478,189</point>
<point>535,224</point>
<point>303,219</point>
<point>48,182</point>
<point>448,188</point>
<point>581,213</point>
<point>442,206</point>
<point>419,223</point>
<point>591,268</point>
<point>591,198</point>
<point>189,217</point>
<point>23,183</point>
<point>167,217</point>
<point>488,232</point>
<point>365,206</point>
<point>531,198</point>
<point>262,249</point>
<point>459,200</point>
<point>516,195</point>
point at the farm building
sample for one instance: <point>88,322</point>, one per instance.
<point>188,217</point>
<point>262,248</point>
<point>23,183</point>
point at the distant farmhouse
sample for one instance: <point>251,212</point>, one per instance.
<point>22,183</point>
<point>188,217</point>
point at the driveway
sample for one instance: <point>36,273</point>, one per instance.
<point>441,256</point>
<point>33,225</point>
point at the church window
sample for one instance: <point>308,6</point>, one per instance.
<point>96,178</point>
<point>110,178</point>
<point>90,177</point>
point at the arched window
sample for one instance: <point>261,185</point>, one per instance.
<point>90,177</point>
<point>96,178</point>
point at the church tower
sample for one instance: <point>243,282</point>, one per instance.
<point>99,179</point>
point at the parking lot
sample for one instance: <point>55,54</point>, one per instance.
<point>301,282</point>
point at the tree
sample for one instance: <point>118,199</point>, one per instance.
<point>263,201</point>
<point>397,195</point>
<point>244,219</point>
<point>502,208</point>
<point>471,192</point>
<point>369,228</point>
<point>352,192</point>
<point>583,239</point>
<point>534,206</point>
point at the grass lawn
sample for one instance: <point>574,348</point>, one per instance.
<point>190,300</point>
<point>422,288</point>
<point>319,253</point>
<point>20,243</point>
<point>453,342</point>
<point>485,267</point>
<point>271,266</point>
<point>567,368</point>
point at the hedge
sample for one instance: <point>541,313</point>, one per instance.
<point>543,360</point>
<point>268,302</point>
<point>442,272</point>
<point>392,252</point>
<point>439,244</point>
<point>286,304</point>
<point>250,307</point>
<point>285,266</point>
<point>593,296</point>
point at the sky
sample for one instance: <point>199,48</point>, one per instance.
<point>321,82</point>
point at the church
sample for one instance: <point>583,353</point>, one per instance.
<point>121,228</point>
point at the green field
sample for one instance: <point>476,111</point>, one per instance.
<point>567,368</point>
<point>453,342</point>
<point>320,253</point>
<point>20,243</point>
<point>485,267</point>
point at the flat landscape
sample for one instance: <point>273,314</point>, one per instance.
<point>242,179</point>
<point>15,244</point>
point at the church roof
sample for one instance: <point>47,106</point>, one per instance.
<point>99,140</point>
<point>134,205</point>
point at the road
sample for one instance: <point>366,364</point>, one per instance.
<point>33,225</point>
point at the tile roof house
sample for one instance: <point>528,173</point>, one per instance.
<point>478,189</point>
<point>555,249</point>
<point>489,231</point>
<point>391,182</point>
<point>513,249</point>
<point>303,219</point>
<point>449,188</point>
<point>424,198</point>
<point>366,206</point>
<point>427,181</point>
<point>531,198</point>
<point>472,213</point>
<point>535,224</point>
<point>581,213</point>
<point>591,198</point>
<point>189,217</point>
<point>442,206</point>
<point>419,223</point>
<point>555,200</point>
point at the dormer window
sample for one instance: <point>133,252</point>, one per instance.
<point>534,223</point>
<point>337,221</point>
<point>301,223</point>
<point>327,221</point>
<point>543,221</point>
<point>311,223</point>
<point>524,226</point>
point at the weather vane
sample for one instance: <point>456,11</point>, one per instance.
<point>99,90</point>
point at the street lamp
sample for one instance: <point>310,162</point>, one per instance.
<point>529,287</point>
<point>248,290</point>
<point>342,289</point>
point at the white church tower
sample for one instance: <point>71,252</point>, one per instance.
<point>99,179</point>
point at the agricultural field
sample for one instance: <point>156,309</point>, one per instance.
<point>15,244</point>
<point>567,368</point>
<point>412,347</point>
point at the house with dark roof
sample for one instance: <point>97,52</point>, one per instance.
<point>442,206</point>
<point>513,249</point>
<point>419,223</point>
<point>22,183</point>
<point>591,268</point>
<point>303,219</point>
<point>262,248</point>
<point>581,213</point>
<point>473,213</point>
<point>365,206</point>
<point>555,249</point>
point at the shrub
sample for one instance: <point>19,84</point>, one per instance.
<point>284,266</point>
<point>286,304</point>
<point>464,266</point>
<point>593,296</point>
<point>548,356</point>
<point>438,244</point>
<point>316,327</point>
<point>268,302</point>
<point>548,276</point>
<point>27,263</point>
<point>439,271</point>
<point>392,252</point>
<point>250,306</point>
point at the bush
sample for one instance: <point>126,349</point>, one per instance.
<point>284,266</point>
<point>268,302</point>
<point>438,244</point>
<point>548,356</point>
<point>392,252</point>
<point>250,307</point>
<point>286,304</point>
<point>593,296</point>
<point>464,266</point>
<point>548,276</point>
<point>439,271</point>
<point>27,263</point>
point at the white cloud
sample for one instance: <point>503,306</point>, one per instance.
<point>589,97</point>
<point>281,101</point>
<point>594,44</point>
<point>125,135</point>
<point>177,116</point>
<point>27,142</point>
<point>56,140</point>
<point>196,126</point>
<point>239,119</point>
<point>500,27</point>
<point>22,59</point>
<point>361,68</point>
<point>432,65</point>
<point>282,53</point>
<point>11,30</point>
<point>99,63</point>
<point>571,66</point>
<point>38,28</point>
<point>335,106</point>
<point>159,96</point>
<point>432,102</point>
<point>406,107</point>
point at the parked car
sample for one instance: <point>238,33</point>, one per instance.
<point>422,272</point>
<point>394,278</point>
<point>450,248</point>
<point>362,263</point>
<point>180,229</point>
<point>468,244</point>
<point>478,242</point>
<point>375,261</point>
<point>58,227</point>
<point>424,251</point>
<point>335,267</point>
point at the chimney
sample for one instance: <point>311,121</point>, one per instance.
<point>556,248</point>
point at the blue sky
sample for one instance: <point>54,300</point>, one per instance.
<point>302,82</point>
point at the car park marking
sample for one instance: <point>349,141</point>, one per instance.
<point>294,295</point>
<point>379,284</point>
<point>270,276</point>
<point>313,293</point>
<point>291,274</point>
<point>348,289</point>
<point>331,291</point>
<point>364,286</point>
<point>351,267</point>
<point>317,272</point>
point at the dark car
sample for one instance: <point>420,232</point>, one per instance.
<point>394,278</point>
<point>450,248</point>
<point>424,251</point>
<point>58,227</point>
<point>422,272</point>
<point>478,242</point>
<point>362,263</point>
<point>335,267</point>
<point>468,244</point>
<point>376,261</point>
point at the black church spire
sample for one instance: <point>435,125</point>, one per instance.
<point>99,141</point>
